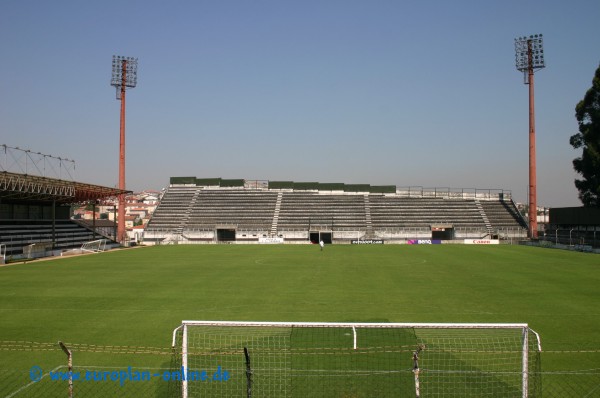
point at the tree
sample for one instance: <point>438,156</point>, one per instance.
<point>587,113</point>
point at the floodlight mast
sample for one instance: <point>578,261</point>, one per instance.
<point>529,55</point>
<point>124,75</point>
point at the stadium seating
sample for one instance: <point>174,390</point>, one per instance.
<point>304,210</point>
<point>174,208</point>
<point>245,209</point>
<point>190,214</point>
<point>16,234</point>
<point>502,213</point>
<point>396,212</point>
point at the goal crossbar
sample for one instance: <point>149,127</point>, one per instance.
<point>361,324</point>
<point>373,325</point>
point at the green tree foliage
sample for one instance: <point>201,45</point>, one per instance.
<point>587,113</point>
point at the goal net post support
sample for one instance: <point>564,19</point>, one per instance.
<point>313,359</point>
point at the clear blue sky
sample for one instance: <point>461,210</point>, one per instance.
<point>421,93</point>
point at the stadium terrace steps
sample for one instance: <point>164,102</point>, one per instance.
<point>484,216</point>
<point>276,214</point>
<point>188,213</point>
<point>368,217</point>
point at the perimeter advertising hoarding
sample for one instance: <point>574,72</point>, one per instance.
<point>482,242</point>
<point>270,240</point>
<point>367,241</point>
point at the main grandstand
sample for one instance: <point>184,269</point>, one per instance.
<point>207,210</point>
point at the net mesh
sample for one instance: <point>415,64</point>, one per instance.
<point>300,361</point>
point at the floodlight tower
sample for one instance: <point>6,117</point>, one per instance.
<point>124,75</point>
<point>529,57</point>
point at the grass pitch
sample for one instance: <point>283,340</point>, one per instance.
<point>136,297</point>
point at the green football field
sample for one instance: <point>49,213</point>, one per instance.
<point>136,297</point>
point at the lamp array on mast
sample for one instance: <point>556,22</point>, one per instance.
<point>529,54</point>
<point>124,73</point>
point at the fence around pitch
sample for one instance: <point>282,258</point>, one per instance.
<point>571,237</point>
<point>567,370</point>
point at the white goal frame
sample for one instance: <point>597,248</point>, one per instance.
<point>94,246</point>
<point>37,250</point>
<point>527,336</point>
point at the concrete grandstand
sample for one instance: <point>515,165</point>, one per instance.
<point>36,211</point>
<point>209,210</point>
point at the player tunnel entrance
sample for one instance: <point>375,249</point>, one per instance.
<point>442,232</point>
<point>317,236</point>
<point>225,235</point>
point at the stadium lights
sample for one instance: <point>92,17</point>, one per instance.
<point>529,54</point>
<point>529,57</point>
<point>124,73</point>
<point>124,76</point>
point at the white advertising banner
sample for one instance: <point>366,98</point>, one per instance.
<point>270,240</point>
<point>482,242</point>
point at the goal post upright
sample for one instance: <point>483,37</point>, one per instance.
<point>525,366</point>
<point>184,361</point>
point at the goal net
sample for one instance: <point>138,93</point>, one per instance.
<point>289,359</point>
<point>94,246</point>
<point>37,250</point>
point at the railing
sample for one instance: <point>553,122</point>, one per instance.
<point>24,161</point>
<point>410,191</point>
<point>453,193</point>
<point>571,237</point>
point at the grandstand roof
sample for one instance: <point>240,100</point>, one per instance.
<point>26,187</point>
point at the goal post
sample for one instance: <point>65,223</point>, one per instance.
<point>314,359</point>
